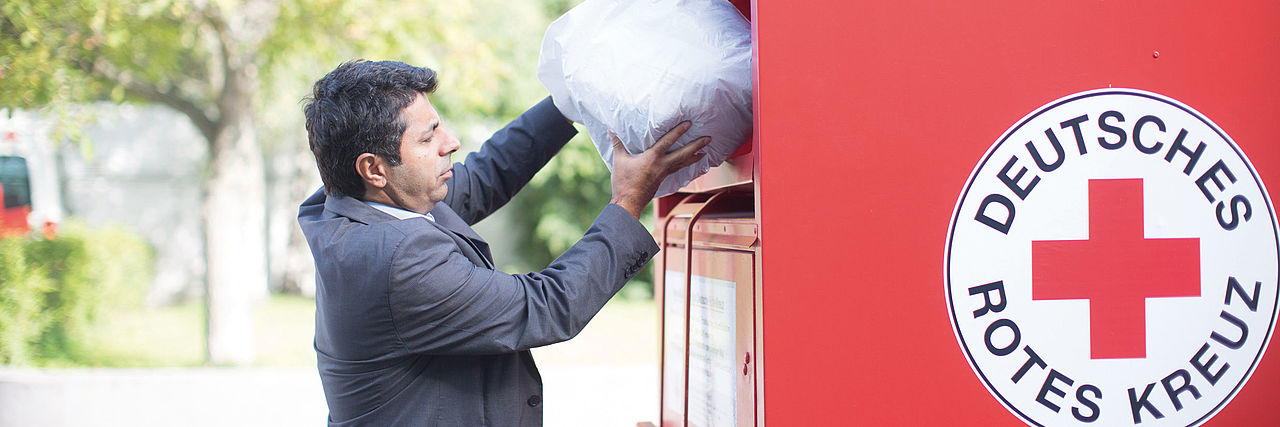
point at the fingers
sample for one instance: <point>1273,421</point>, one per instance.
<point>688,154</point>
<point>692,147</point>
<point>617,144</point>
<point>664,144</point>
<point>661,154</point>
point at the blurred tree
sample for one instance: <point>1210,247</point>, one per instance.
<point>208,59</point>
<point>199,58</point>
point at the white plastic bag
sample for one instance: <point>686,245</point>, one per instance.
<point>640,67</point>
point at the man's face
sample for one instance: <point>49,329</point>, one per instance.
<point>425,149</point>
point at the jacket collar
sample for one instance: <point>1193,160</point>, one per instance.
<point>358,211</point>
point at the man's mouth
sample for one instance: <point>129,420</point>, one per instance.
<point>448,173</point>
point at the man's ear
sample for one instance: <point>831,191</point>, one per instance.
<point>372,169</point>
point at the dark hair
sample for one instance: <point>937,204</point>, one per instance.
<point>355,109</point>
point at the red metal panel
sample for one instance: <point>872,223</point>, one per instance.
<point>870,118</point>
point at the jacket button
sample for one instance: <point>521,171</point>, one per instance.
<point>534,401</point>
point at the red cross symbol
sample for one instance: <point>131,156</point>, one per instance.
<point>1116,270</point>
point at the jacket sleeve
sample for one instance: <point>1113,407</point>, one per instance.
<point>488,178</point>
<point>441,303</point>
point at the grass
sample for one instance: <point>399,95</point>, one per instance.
<point>284,331</point>
<point>625,331</point>
<point>174,336</point>
<point>162,336</point>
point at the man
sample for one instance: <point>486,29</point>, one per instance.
<point>414,326</point>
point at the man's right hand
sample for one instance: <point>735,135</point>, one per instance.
<point>636,176</point>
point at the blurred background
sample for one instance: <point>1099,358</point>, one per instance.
<point>152,158</point>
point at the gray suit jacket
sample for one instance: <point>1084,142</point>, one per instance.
<point>413,324</point>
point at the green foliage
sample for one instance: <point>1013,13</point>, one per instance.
<point>484,51</point>
<point>176,51</point>
<point>52,289</point>
<point>53,51</point>
<point>22,292</point>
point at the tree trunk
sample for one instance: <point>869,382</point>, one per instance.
<point>300,268</point>
<point>234,224</point>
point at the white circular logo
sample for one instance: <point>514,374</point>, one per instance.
<point>1113,260</point>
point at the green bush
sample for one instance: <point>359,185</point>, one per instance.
<point>558,206</point>
<point>51,289</point>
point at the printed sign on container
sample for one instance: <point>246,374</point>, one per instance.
<point>1113,260</point>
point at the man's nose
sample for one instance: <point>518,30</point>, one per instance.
<point>451,144</point>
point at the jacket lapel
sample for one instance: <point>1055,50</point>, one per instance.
<point>449,221</point>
